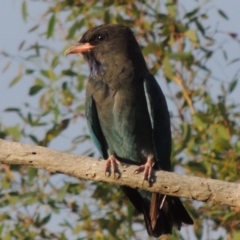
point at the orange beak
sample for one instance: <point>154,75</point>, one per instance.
<point>79,48</point>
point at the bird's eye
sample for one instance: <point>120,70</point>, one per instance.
<point>100,37</point>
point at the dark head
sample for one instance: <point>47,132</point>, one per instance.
<point>111,48</point>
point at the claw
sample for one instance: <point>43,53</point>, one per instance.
<point>147,169</point>
<point>112,163</point>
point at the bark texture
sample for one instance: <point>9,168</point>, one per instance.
<point>169,183</point>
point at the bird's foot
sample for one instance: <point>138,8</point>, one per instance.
<point>112,164</point>
<point>147,169</point>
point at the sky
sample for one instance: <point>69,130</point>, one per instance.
<point>13,30</point>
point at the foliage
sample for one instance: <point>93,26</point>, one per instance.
<point>179,45</point>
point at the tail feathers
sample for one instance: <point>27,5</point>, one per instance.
<point>176,213</point>
<point>162,224</point>
<point>159,220</point>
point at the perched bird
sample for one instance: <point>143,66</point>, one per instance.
<point>128,119</point>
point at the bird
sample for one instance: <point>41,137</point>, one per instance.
<point>128,119</point>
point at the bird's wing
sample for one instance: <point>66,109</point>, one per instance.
<point>94,125</point>
<point>160,120</point>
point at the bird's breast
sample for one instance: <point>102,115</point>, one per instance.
<point>125,121</point>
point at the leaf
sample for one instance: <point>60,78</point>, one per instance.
<point>200,27</point>
<point>186,132</point>
<point>74,188</point>
<point>192,13</point>
<point>49,74</point>
<point>34,139</point>
<point>34,89</point>
<point>163,18</point>
<point>24,11</point>
<point>64,86</point>
<point>69,73</point>
<point>233,61</point>
<point>200,121</point>
<point>55,61</point>
<point>12,110</point>
<point>62,193</point>
<point>2,225</point>
<point>7,66</point>
<point>45,219</point>
<point>192,36</point>
<point>220,144</point>
<point>14,131</point>
<point>225,54</point>
<point>42,222</point>
<point>33,28</point>
<point>168,70</point>
<point>39,82</point>
<point>107,17</point>
<point>232,85</point>
<point>21,45</point>
<point>30,71</point>
<point>223,14</point>
<point>72,30</point>
<point>51,25</point>
<point>32,173</point>
<point>172,8</point>
<point>15,80</point>
<point>222,132</point>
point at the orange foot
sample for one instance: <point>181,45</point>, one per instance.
<point>147,170</point>
<point>112,164</point>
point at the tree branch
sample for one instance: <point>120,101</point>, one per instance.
<point>195,188</point>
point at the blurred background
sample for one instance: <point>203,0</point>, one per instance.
<point>192,48</point>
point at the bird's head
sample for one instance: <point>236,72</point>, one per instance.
<point>111,48</point>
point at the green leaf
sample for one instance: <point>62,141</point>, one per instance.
<point>15,80</point>
<point>21,45</point>
<point>1,226</point>
<point>107,17</point>
<point>51,25</point>
<point>62,193</point>
<point>223,14</point>
<point>69,73</point>
<point>168,70</point>
<point>233,61</point>
<point>74,188</point>
<point>39,223</point>
<point>30,71</point>
<point>33,28</point>
<point>191,13</point>
<point>49,74</point>
<point>200,121</point>
<point>14,131</point>
<point>64,86</point>
<point>34,90</point>
<point>186,132</point>
<point>200,27</point>
<point>172,8</point>
<point>72,30</point>
<point>151,48</point>
<point>46,219</point>
<point>24,11</point>
<point>232,85</point>
<point>192,36</point>
<point>34,139</point>
<point>32,173</point>
<point>39,82</point>
<point>12,110</point>
<point>55,61</point>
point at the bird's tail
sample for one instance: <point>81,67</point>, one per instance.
<point>161,213</point>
